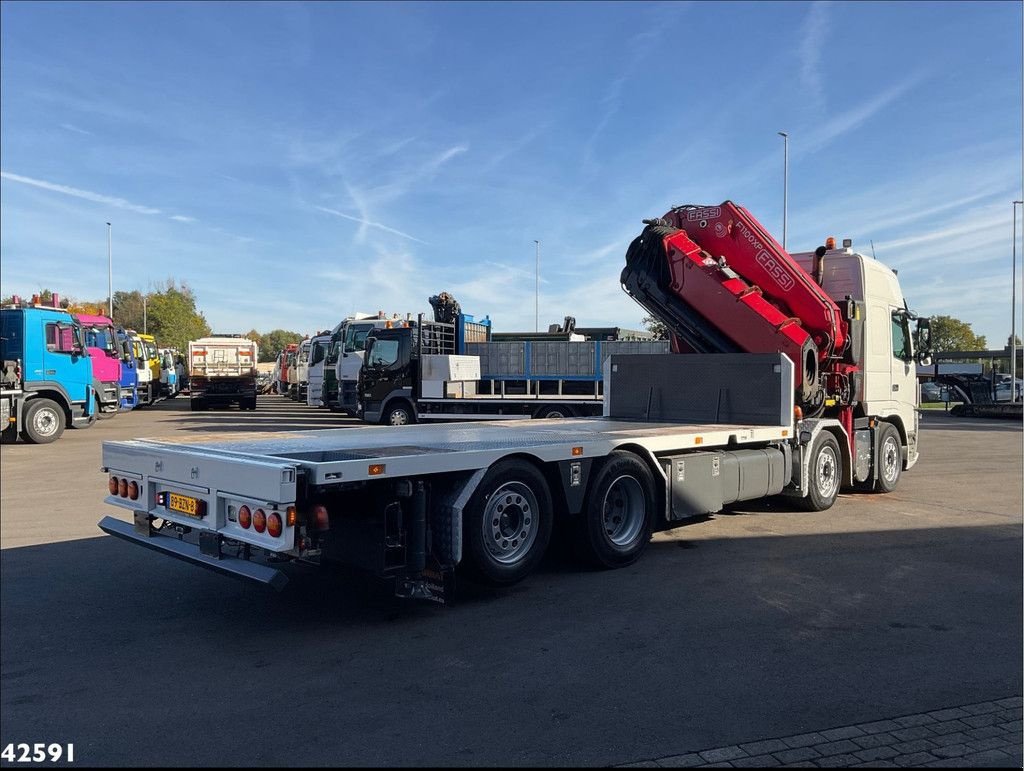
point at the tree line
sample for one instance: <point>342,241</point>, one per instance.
<point>169,312</point>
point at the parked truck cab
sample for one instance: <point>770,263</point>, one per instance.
<point>318,348</point>
<point>129,370</point>
<point>106,362</point>
<point>47,373</point>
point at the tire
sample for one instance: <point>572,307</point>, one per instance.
<point>43,421</point>
<point>506,527</point>
<point>398,413</point>
<point>103,415</point>
<point>554,411</point>
<point>199,405</point>
<point>250,404</point>
<point>824,473</point>
<point>615,525</point>
<point>890,458</point>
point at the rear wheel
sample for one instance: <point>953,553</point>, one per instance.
<point>824,473</point>
<point>43,421</point>
<point>507,524</point>
<point>890,458</point>
<point>615,525</point>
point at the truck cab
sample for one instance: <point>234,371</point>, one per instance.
<point>106,361</point>
<point>298,375</point>
<point>48,376</point>
<point>129,370</point>
<point>148,369</point>
<point>317,368</point>
<point>882,339</point>
<point>356,329</point>
<point>169,384</point>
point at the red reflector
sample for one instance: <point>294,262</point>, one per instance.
<point>112,485</point>
<point>244,517</point>
<point>274,525</point>
<point>259,521</point>
<point>323,521</point>
<point>133,490</point>
<point>122,488</point>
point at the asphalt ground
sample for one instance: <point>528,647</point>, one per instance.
<point>760,622</point>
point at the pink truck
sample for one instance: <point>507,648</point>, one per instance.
<point>106,362</point>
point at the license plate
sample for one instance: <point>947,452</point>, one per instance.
<point>184,504</point>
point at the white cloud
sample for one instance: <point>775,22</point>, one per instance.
<point>119,203</point>
<point>813,39</point>
<point>181,218</point>
<point>70,127</point>
<point>369,223</point>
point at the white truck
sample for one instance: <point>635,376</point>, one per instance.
<point>681,436</point>
<point>222,371</point>
<point>319,347</point>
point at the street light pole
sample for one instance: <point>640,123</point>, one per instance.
<point>1013,311</point>
<point>785,183</point>
<point>110,277</point>
<point>145,330</point>
<point>536,292</point>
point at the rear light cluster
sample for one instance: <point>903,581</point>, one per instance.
<point>125,488</point>
<point>262,522</point>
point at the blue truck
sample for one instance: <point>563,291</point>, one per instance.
<point>129,370</point>
<point>47,380</point>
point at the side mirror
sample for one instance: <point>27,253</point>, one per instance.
<point>923,341</point>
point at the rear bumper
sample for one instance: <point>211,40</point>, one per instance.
<point>142,534</point>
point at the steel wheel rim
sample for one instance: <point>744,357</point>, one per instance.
<point>827,472</point>
<point>510,523</point>
<point>554,414</point>
<point>45,422</point>
<point>399,417</point>
<point>890,462</point>
<point>623,510</point>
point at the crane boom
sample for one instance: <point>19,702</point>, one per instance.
<point>721,283</point>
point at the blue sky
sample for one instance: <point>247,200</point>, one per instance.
<point>295,162</point>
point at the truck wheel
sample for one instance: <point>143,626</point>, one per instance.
<point>103,415</point>
<point>250,404</point>
<point>44,421</point>
<point>398,414</point>
<point>890,458</point>
<point>824,472</point>
<point>554,412</point>
<point>615,525</point>
<point>507,525</point>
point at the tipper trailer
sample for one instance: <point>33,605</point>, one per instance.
<point>681,436</point>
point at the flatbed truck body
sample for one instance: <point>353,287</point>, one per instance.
<point>406,503</point>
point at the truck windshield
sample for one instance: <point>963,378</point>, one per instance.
<point>100,337</point>
<point>383,353</point>
<point>355,338</point>
<point>151,351</point>
<point>333,351</point>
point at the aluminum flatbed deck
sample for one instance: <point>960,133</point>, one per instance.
<point>345,454</point>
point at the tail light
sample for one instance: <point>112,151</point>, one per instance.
<point>323,521</point>
<point>259,520</point>
<point>274,525</point>
<point>112,485</point>
<point>122,488</point>
<point>133,490</point>
<point>244,517</point>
